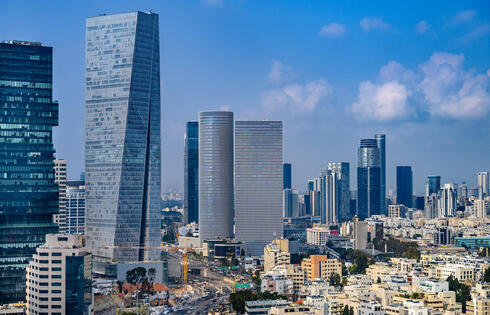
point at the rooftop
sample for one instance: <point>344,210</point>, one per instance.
<point>22,42</point>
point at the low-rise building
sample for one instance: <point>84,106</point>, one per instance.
<point>263,306</point>
<point>320,266</point>
<point>276,254</point>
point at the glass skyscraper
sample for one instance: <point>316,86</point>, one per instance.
<point>258,183</point>
<point>191,172</point>
<point>215,175</point>
<point>28,192</point>
<point>404,186</point>
<point>122,137</point>
<point>341,171</point>
<point>368,179</point>
<point>381,144</point>
<point>287,176</point>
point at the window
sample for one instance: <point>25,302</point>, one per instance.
<point>56,291</point>
<point>56,269</point>
<point>43,299</point>
<point>62,239</point>
<point>56,306</point>
<point>56,299</point>
<point>56,261</point>
<point>43,284</point>
<point>44,261</point>
<point>44,254</point>
<point>43,276</point>
<point>55,254</point>
<point>55,276</point>
<point>56,284</point>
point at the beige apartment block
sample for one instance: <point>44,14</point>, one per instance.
<point>320,266</point>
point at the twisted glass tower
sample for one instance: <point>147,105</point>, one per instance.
<point>28,192</point>
<point>122,134</point>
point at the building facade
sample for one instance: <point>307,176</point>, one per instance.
<point>341,170</point>
<point>56,277</point>
<point>287,176</point>
<point>404,186</point>
<point>191,172</point>
<point>75,207</point>
<point>483,185</point>
<point>368,179</point>
<point>447,202</point>
<point>381,144</point>
<point>60,179</point>
<point>216,199</point>
<point>321,267</point>
<point>28,192</point>
<point>122,137</point>
<point>258,183</point>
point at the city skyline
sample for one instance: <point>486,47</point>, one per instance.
<point>423,138</point>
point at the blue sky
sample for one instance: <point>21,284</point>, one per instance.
<point>335,72</point>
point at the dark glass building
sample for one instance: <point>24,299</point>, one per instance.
<point>28,192</point>
<point>191,172</point>
<point>381,144</point>
<point>404,186</point>
<point>433,185</point>
<point>286,171</point>
<point>368,179</point>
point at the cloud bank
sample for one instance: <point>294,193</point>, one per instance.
<point>373,23</point>
<point>439,87</point>
<point>333,29</point>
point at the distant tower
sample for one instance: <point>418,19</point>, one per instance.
<point>368,179</point>
<point>404,186</point>
<point>381,144</point>
<point>258,183</point>
<point>342,176</point>
<point>60,179</point>
<point>287,176</point>
<point>216,200</point>
<point>447,201</point>
<point>483,185</point>
<point>191,172</point>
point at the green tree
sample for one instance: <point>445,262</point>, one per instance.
<point>486,275</point>
<point>463,291</point>
<point>412,253</point>
<point>239,298</point>
<point>136,276</point>
<point>378,280</point>
<point>120,286</point>
<point>334,279</point>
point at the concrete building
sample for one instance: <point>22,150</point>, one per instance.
<point>447,202</point>
<point>360,234</point>
<point>262,306</point>
<point>60,179</point>
<point>370,308</point>
<point>317,235</point>
<point>215,175</point>
<point>280,284</point>
<point>56,277</point>
<point>122,137</point>
<point>276,254</point>
<point>397,211</point>
<point>483,185</point>
<point>480,300</point>
<point>258,183</point>
<point>320,266</point>
<point>291,207</point>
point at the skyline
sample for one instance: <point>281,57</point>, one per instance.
<point>285,65</point>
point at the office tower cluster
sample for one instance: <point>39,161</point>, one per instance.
<point>371,177</point>
<point>440,202</point>
<point>29,193</point>
<point>328,196</point>
<point>236,178</point>
<point>122,137</point>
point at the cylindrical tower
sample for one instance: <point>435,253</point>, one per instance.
<point>215,175</point>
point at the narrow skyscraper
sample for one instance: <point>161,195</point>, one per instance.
<point>287,176</point>
<point>122,137</point>
<point>191,172</point>
<point>28,192</point>
<point>404,186</point>
<point>60,179</point>
<point>342,175</point>
<point>381,144</point>
<point>483,185</point>
<point>258,183</point>
<point>368,179</point>
<point>215,175</point>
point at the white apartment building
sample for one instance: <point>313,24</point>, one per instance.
<point>370,308</point>
<point>280,284</point>
<point>317,235</point>
<point>54,275</point>
<point>276,254</point>
<point>460,272</point>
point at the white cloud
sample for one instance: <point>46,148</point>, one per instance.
<point>479,31</point>
<point>452,92</point>
<point>333,29</point>
<point>374,23</point>
<point>280,72</point>
<point>440,87</point>
<point>388,101</point>
<point>463,17</point>
<point>296,98</point>
<point>422,27</point>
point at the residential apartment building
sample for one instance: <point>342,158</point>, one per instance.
<point>320,266</point>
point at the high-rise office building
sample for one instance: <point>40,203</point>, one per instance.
<point>483,185</point>
<point>329,211</point>
<point>342,176</point>
<point>404,186</point>
<point>122,137</point>
<point>28,192</point>
<point>215,175</point>
<point>368,179</point>
<point>258,183</point>
<point>58,277</point>
<point>447,201</point>
<point>75,207</point>
<point>287,176</point>
<point>381,144</point>
<point>433,185</point>
<point>291,208</point>
<point>60,179</point>
<point>191,172</point>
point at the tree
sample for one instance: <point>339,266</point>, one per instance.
<point>463,292</point>
<point>486,275</point>
<point>120,286</point>
<point>412,253</point>
<point>334,279</point>
<point>378,280</point>
<point>239,298</point>
<point>136,275</point>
